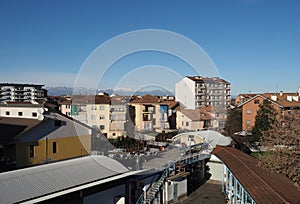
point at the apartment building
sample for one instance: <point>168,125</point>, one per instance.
<point>108,114</point>
<point>283,103</point>
<point>21,92</point>
<point>149,113</point>
<point>196,91</point>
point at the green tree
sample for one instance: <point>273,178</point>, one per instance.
<point>233,122</point>
<point>266,116</point>
<point>282,141</point>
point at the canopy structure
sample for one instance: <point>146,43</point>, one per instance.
<point>213,138</point>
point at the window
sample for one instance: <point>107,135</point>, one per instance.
<point>31,151</point>
<point>102,127</point>
<point>114,134</point>
<point>54,147</point>
<point>34,114</point>
<point>93,117</point>
<point>186,123</point>
<point>93,107</point>
<point>20,113</point>
<point>102,107</point>
<point>248,111</point>
<point>102,117</point>
<point>248,122</point>
<point>68,106</point>
<point>7,113</point>
<point>256,101</point>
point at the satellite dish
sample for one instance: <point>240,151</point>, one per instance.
<point>40,117</point>
<point>40,110</point>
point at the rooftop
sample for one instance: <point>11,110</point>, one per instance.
<point>280,99</point>
<point>207,79</point>
<point>262,185</point>
<point>35,182</point>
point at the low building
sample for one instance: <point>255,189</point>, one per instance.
<point>50,137</point>
<point>90,179</point>
<point>26,110</point>
<point>244,181</point>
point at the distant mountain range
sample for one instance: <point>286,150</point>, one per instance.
<point>59,91</point>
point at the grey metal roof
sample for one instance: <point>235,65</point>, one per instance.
<point>212,137</point>
<point>34,182</point>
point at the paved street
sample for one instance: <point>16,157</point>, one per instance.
<point>210,192</point>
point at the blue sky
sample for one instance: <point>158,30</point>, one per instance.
<point>255,44</point>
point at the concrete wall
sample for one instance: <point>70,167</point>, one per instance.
<point>185,92</point>
<point>27,112</point>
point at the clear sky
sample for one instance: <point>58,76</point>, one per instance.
<point>255,44</point>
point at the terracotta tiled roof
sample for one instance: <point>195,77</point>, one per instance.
<point>91,99</point>
<point>196,114</point>
<point>262,185</point>
<point>148,99</point>
<point>281,99</point>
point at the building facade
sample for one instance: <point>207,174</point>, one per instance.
<point>283,103</point>
<point>21,92</point>
<point>53,137</point>
<point>196,91</point>
<point>149,113</point>
<point>108,114</point>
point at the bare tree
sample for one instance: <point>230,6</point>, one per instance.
<point>282,141</point>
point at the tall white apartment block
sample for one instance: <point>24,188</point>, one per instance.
<point>10,92</point>
<point>196,91</point>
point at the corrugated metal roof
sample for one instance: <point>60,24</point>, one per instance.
<point>24,184</point>
<point>262,185</point>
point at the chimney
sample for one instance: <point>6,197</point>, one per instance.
<point>289,98</point>
<point>299,91</point>
<point>281,93</point>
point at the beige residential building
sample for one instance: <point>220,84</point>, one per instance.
<point>108,114</point>
<point>197,119</point>
<point>149,113</point>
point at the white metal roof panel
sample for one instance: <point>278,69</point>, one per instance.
<point>34,182</point>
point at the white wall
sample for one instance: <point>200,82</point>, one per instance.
<point>185,92</point>
<point>181,189</point>
<point>216,168</point>
<point>27,112</point>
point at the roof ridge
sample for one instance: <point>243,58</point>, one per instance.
<point>263,180</point>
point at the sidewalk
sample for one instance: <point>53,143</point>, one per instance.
<point>209,192</point>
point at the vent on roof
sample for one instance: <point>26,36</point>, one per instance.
<point>274,97</point>
<point>289,98</point>
<point>296,98</point>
